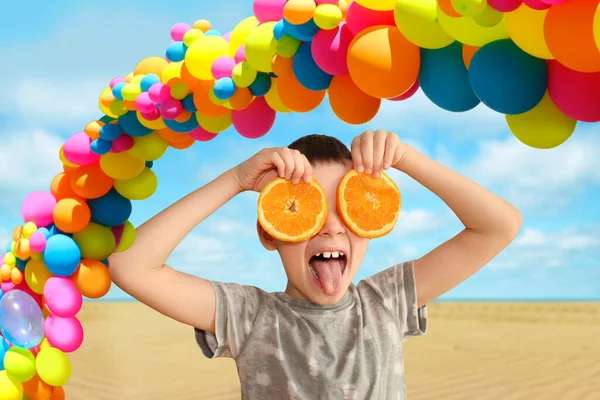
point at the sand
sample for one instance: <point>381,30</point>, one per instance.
<point>508,351</point>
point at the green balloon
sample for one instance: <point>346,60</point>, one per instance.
<point>95,241</point>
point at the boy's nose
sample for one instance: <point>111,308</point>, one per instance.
<point>333,224</point>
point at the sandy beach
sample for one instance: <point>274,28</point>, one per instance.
<point>475,351</point>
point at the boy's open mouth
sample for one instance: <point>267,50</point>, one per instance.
<point>328,268</point>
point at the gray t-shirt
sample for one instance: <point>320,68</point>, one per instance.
<point>296,349</point>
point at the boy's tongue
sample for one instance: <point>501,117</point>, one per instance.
<point>330,275</point>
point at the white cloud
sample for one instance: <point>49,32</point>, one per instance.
<point>421,221</point>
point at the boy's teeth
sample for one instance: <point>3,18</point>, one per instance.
<point>327,254</point>
<point>317,255</point>
<point>335,254</point>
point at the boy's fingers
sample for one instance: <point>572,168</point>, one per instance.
<point>390,150</point>
<point>356,156</point>
<point>307,169</point>
<point>298,166</point>
<point>366,151</point>
<point>279,163</point>
<point>288,158</point>
<point>379,145</point>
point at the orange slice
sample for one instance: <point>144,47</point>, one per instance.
<point>369,206</point>
<point>292,212</point>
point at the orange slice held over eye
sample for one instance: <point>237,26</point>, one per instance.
<point>292,212</point>
<point>369,206</point>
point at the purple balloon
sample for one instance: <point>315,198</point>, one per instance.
<point>21,319</point>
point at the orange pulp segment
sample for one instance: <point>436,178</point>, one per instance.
<point>292,212</point>
<point>369,206</point>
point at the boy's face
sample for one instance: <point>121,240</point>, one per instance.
<point>341,250</point>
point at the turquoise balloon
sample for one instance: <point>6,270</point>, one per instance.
<point>61,255</point>
<point>21,320</point>
<point>444,78</point>
<point>307,72</point>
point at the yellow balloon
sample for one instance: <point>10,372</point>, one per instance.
<point>273,100</point>
<point>526,28</point>
<point>597,26</point>
<point>118,108</point>
<point>469,8</point>
<point>156,124</point>
<point>418,22</point>
<point>36,275</point>
<point>53,366</point>
<point>106,110</point>
<point>214,124</point>
<point>139,188</point>
<point>150,147</point>
<point>243,74</point>
<point>122,165</point>
<point>28,229</point>
<point>240,33</point>
<point>20,364</point>
<point>488,17</point>
<point>467,31</point>
<point>63,159</point>
<point>191,36</point>
<point>543,127</point>
<point>10,388</point>
<point>127,238</point>
<point>170,71</point>
<point>10,259</point>
<point>131,91</point>
<point>261,47</point>
<point>379,5</point>
<point>201,54</point>
<point>328,16</point>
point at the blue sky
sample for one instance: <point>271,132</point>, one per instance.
<point>57,58</point>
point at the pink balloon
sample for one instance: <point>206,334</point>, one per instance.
<point>144,103</point>
<point>574,93</point>
<point>116,80</point>
<point>240,54</point>
<point>78,151</point>
<point>38,208</point>
<point>37,242</point>
<point>152,115</point>
<point>171,108</point>
<point>537,4</point>
<point>202,135</point>
<point>227,36</point>
<point>159,92</point>
<point>7,286</point>
<point>122,143</point>
<point>409,93</point>
<point>326,1</point>
<point>268,10</point>
<point>255,120</point>
<point>359,18</point>
<point>505,5</point>
<point>178,31</point>
<point>222,67</point>
<point>65,334</point>
<point>330,49</point>
<point>62,297</point>
<point>551,2</point>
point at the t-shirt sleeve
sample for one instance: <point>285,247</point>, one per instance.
<point>237,307</point>
<point>396,288</point>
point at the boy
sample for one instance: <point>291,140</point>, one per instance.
<point>327,338</point>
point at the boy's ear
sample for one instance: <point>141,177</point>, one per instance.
<point>267,240</point>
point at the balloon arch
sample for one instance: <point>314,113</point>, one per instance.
<point>536,61</point>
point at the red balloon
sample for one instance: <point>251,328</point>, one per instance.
<point>409,93</point>
<point>537,4</point>
<point>576,94</point>
<point>255,120</point>
<point>359,18</point>
<point>505,5</point>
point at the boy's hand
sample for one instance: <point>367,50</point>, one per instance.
<point>373,152</point>
<point>267,164</point>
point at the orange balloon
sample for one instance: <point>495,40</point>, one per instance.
<point>171,136</point>
<point>60,187</point>
<point>150,65</point>
<point>92,129</point>
<point>298,12</point>
<point>130,105</point>
<point>58,394</point>
<point>92,278</point>
<point>5,272</point>
<point>107,98</point>
<point>349,103</point>
<point>382,62</point>
<point>296,97</point>
<point>282,65</point>
<point>37,389</point>
<point>203,102</point>
<point>242,97</point>
<point>17,233</point>
<point>187,142</point>
<point>190,80</point>
<point>22,249</point>
<point>183,116</point>
<point>448,9</point>
<point>69,169</point>
<point>569,33</point>
<point>468,52</point>
<point>16,276</point>
<point>71,215</point>
<point>90,182</point>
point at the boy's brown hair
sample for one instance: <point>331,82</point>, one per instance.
<point>322,149</point>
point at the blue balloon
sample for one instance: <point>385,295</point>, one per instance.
<point>279,30</point>
<point>4,346</point>
<point>21,320</point>
<point>507,79</point>
<point>118,89</point>
<point>100,146</point>
<point>53,230</point>
<point>106,119</point>
<point>188,103</point>
<point>61,255</point>
<point>304,32</point>
<point>182,127</point>
<point>147,81</point>
<point>21,264</point>
<point>110,132</point>
<point>224,88</point>
<point>112,209</point>
<point>132,126</point>
<point>261,85</point>
<point>149,164</point>
<point>307,72</point>
<point>176,51</point>
<point>444,79</point>
<point>212,32</point>
<point>105,262</point>
<point>8,247</point>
